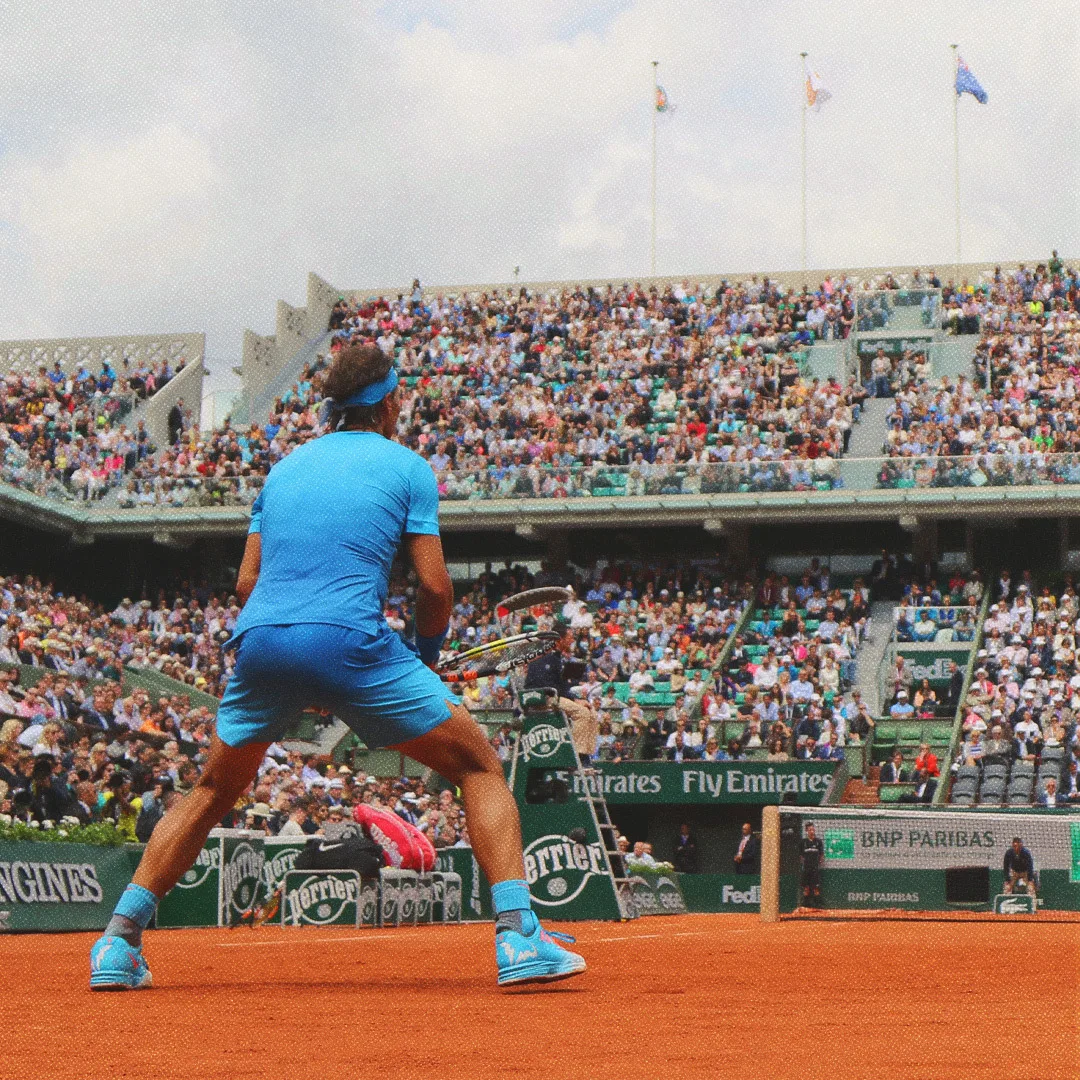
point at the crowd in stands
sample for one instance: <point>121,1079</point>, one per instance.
<point>619,390</point>
<point>70,770</point>
<point>997,426</point>
<point>1020,717</point>
<point>784,692</point>
<point>62,433</point>
<point>138,746</point>
<point>181,638</point>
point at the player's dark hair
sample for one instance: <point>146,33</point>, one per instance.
<point>355,367</point>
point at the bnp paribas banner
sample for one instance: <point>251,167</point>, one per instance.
<point>898,840</point>
<point>49,886</point>
<point>736,782</point>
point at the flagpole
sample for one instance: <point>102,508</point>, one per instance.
<point>803,55</point>
<point>656,86</point>
<point>956,159</point>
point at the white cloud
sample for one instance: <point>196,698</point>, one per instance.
<point>184,169</point>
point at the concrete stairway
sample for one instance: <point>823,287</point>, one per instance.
<point>859,466</point>
<point>872,652</point>
<point>864,792</point>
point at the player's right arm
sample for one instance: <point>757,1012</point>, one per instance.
<point>252,561</point>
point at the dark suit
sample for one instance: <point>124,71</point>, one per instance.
<point>751,855</point>
<point>922,794</point>
<point>890,774</point>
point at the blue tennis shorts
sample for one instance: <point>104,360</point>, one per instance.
<point>376,684</point>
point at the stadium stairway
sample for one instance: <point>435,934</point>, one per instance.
<point>259,408</point>
<point>870,655</point>
<point>859,792</point>
<point>859,466</point>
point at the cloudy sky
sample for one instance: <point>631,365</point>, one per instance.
<point>180,167</point>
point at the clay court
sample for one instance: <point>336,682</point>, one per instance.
<point>687,996</point>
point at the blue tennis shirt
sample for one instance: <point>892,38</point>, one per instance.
<point>332,515</point>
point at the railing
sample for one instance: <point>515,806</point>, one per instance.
<point>789,475</point>
<point>1010,469</point>
<point>941,615</point>
<point>189,491</point>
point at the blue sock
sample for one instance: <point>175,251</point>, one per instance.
<point>133,913</point>
<point>513,907</point>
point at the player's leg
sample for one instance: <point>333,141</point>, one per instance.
<point>257,700</point>
<point>176,842</point>
<point>459,750</point>
<point>116,960</point>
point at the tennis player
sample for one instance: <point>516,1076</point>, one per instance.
<point>313,581</point>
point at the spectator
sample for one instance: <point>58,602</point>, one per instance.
<point>1049,796</point>
<point>748,853</point>
<point>926,762</point>
<point>686,853</point>
<point>925,787</point>
<point>893,771</point>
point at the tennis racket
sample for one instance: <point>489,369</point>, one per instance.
<point>498,657</point>
<point>532,598</point>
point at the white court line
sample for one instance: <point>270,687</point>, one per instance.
<point>680,933</point>
<point>303,940</point>
<point>406,935</point>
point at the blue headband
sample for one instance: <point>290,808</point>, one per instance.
<point>373,393</point>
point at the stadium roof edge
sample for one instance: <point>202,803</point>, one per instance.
<point>188,524</point>
<point>785,277</point>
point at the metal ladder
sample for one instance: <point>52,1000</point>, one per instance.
<point>613,858</point>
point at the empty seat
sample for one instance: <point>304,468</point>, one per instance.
<point>968,772</point>
<point>992,790</point>
<point>962,798</point>
<point>1053,753</point>
<point>1022,768</point>
<point>1018,798</point>
<point>994,769</point>
<point>1022,784</point>
<point>966,785</point>
<point>1050,771</point>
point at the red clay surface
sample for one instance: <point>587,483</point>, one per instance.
<point>689,996</point>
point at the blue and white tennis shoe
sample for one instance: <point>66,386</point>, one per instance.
<point>535,957</point>
<point>116,965</point>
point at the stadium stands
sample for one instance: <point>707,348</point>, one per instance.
<point>62,429</point>
<point>1018,725</point>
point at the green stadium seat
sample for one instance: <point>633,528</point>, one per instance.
<point>885,733</point>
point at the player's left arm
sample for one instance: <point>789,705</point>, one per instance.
<point>435,596</point>
<point>249,568</point>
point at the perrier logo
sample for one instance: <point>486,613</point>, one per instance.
<point>558,868</point>
<point>208,859</point>
<point>241,876</point>
<point>542,741</point>
<point>319,899</point>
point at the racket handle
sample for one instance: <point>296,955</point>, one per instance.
<point>454,676</point>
